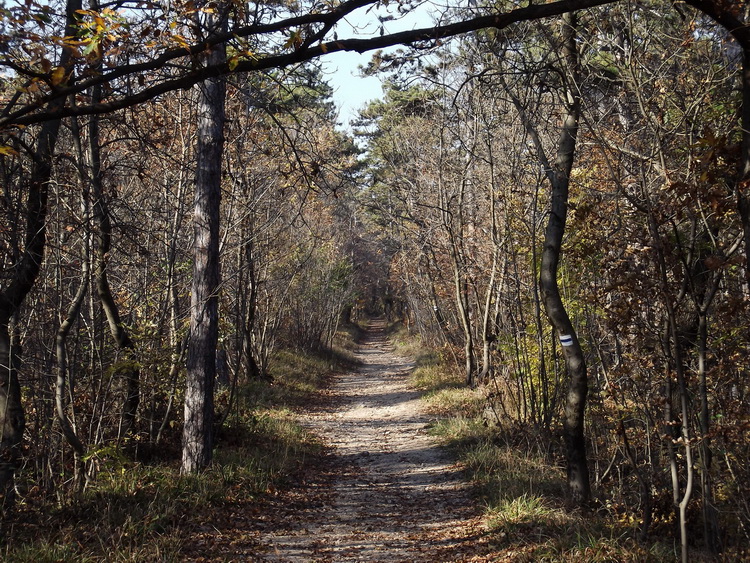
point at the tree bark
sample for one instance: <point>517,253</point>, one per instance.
<point>61,351</point>
<point>61,354</point>
<point>743,182</point>
<point>559,176</point>
<point>547,409</point>
<point>685,414</point>
<point>129,369</point>
<point>197,441</point>
<point>250,307</point>
<point>12,419</point>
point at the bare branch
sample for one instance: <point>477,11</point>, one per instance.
<point>194,74</point>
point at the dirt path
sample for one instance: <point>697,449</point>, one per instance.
<point>389,493</point>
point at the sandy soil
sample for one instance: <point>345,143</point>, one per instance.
<point>394,496</point>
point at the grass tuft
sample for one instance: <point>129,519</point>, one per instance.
<point>44,551</point>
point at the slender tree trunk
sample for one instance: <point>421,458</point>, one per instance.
<point>61,352</point>
<point>12,419</point>
<point>460,287</point>
<point>743,182</point>
<point>62,367</point>
<point>177,345</point>
<point>488,334</point>
<point>710,513</point>
<point>559,175</point>
<point>11,414</point>
<point>197,441</point>
<point>547,411</point>
<point>129,369</point>
<point>488,327</point>
<point>676,352</point>
<point>250,303</point>
<point>670,422</point>
<point>462,299</point>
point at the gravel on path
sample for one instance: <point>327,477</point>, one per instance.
<point>395,494</point>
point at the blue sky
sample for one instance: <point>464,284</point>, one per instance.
<point>352,92</point>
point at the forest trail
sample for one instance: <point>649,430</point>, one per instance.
<point>387,493</point>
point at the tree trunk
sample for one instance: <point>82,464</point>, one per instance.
<point>711,530</point>
<point>677,356</point>
<point>62,368</point>
<point>11,415</point>
<point>743,182</point>
<point>197,441</point>
<point>25,273</point>
<point>547,410</point>
<point>129,369</point>
<point>462,299</point>
<point>559,175</point>
<point>250,303</point>
<point>61,351</point>
<point>12,420</point>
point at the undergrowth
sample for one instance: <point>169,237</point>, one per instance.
<point>517,478</point>
<point>144,511</point>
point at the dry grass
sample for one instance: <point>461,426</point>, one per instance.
<point>521,483</point>
<point>140,512</point>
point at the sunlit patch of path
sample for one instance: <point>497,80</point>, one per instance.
<point>394,494</point>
